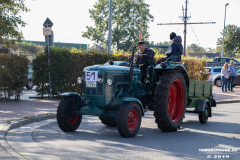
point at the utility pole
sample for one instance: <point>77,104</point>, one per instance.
<point>185,19</point>
<point>224,27</point>
<point>110,28</point>
<point>185,30</point>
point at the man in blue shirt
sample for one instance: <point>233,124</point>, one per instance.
<point>232,76</point>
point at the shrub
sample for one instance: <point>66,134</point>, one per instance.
<point>13,74</point>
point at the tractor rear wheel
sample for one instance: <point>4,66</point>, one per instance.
<point>109,121</point>
<point>129,119</point>
<point>169,101</point>
<point>67,119</point>
<point>203,116</point>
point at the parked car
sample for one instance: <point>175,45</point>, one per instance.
<point>217,79</point>
<point>212,71</point>
<point>219,61</point>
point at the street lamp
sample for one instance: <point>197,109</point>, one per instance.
<point>140,35</point>
<point>224,27</point>
<point>142,9</point>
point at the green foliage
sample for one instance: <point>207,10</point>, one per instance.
<point>231,41</point>
<point>194,48</point>
<point>125,23</point>
<point>10,20</point>
<point>13,74</point>
<point>161,50</point>
<point>27,47</point>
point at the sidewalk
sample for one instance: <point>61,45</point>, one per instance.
<point>230,97</point>
<point>19,109</point>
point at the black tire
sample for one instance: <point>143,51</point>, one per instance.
<point>218,82</point>
<point>109,121</point>
<point>168,112</point>
<point>67,121</point>
<point>129,119</point>
<point>29,85</point>
<point>203,116</point>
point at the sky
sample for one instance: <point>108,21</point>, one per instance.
<point>71,17</point>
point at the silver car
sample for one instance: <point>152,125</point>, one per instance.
<point>212,71</point>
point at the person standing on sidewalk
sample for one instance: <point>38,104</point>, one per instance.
<point>232,76</point>
<point>225,75</point>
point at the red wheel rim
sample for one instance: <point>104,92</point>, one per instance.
<point>132,121</point>
<point>176,100</point>
<point>72,117</point>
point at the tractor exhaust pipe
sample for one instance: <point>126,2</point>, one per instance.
<point>131,69</point>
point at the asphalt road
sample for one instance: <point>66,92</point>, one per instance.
<point>93,140</point>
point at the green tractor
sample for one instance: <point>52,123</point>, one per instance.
<point>119,94</point>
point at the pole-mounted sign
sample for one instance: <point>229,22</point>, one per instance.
<point>48,33</point>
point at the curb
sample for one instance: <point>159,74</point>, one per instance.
<point>226,102</point>
<point>9,125</point>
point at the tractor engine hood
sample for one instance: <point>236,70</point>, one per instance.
<point>96,86</point>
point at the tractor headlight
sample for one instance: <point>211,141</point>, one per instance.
<point>109,82</point>
<point>79,80</point>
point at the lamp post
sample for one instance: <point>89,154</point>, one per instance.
<point>142,9</point>
<point>224,27</point>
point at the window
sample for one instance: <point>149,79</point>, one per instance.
<point>223,60</point>
<point>217,70</point>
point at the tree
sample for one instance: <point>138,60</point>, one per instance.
<point>10,20</point>
<point>126,16</point>
<point>162,50</point>
<point>210,50</point>
<point>231,41</point>
<point>194,48</point>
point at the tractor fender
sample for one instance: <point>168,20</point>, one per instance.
<point>131,99</point>
<point>71,94</point>
<point>77,99</point>
<point>201,106</point>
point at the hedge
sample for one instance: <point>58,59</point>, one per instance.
<point>67,65</point>
<point>13,74</point>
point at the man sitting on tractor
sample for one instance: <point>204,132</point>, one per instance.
<point>144,57</point>
<point>175,48</point>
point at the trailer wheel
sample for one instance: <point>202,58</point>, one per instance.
<point>108,121</point>
<point>129,119</point>
<point>169,102</point>
<point>67,119</point>
<point>203,116</point>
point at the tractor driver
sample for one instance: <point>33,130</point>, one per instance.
<point>145,57</point>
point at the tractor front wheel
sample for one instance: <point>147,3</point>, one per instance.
<point>169,100</point>
<point>129,119</point>
<point>67,119</point>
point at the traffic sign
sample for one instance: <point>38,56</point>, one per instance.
<point>48,23</point>
<point>47,31</point>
